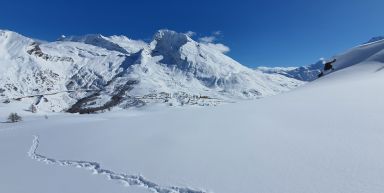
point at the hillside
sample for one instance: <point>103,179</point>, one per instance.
<point>322,137</point>
<point>370,51</point>
<point>94,73</point>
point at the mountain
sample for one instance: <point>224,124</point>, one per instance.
<point>371,51</point>
<point>303,73</point>
<point>324,137</point>
<point>365,53</point>
<point>93,73</point>
<point>114,43</point>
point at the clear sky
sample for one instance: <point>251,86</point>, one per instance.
<point>258,32</point>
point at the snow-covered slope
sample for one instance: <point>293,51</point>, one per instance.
<point>303,73</point>
<point>94,72</point>
<point>367,53</point>
<point>372,51</point>
<point>323,137</point>
<point>116,43</point>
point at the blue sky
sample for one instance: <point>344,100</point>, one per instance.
<point>258,32</point>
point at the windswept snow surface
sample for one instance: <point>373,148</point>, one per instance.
<point>326,136</point>
<point>128,180</point>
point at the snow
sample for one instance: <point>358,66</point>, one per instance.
<point>323,137</point>
<point>116,43</point>
<point>371,51</point>
<point>75,67</point>
<point>303,73</point>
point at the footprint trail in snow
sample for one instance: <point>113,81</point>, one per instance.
<point>128,180</point>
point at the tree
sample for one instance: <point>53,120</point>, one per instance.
<point>14,117</point>
<point>33,108</point>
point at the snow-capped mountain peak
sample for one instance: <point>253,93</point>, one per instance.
<point>167,43</point>
<point>94,72</point>
<point>303,73</point>
<point>96,40</point>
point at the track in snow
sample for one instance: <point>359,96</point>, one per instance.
<point>128,180</point>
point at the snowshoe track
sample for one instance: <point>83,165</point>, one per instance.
<point>128,180</point>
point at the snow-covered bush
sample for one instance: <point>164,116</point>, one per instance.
<point>14,117</point>
<point>33,108</point>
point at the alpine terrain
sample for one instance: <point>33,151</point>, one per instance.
<point>323,137</point>
<point>93,73</point>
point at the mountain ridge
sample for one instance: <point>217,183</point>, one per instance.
<point>94,72</point>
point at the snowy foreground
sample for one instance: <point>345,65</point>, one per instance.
<point>325,137</point>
